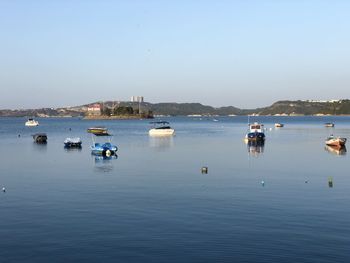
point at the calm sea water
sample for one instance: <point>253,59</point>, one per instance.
<point>153,204</point>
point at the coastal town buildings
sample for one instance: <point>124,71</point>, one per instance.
<point>94,109</point>
<point>136,99</point>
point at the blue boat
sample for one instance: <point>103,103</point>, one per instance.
<point>105,149</point>
<point>256,132</point>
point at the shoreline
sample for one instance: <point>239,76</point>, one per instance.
<point>121,117</point>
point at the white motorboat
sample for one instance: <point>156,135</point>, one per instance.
<point>31,123</point>
<point>161,128</point>
<point>279,125</point>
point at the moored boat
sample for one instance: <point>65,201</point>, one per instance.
<point>329,124</point>
<point>31,123</point>
<point>255,132</point>
<point>161,128</point>
<point>72,142</point>
<point>98,130</point>
<point>40,137</point>
<point>105,149</point>
<point>279,125</point>
<point>335,141</point>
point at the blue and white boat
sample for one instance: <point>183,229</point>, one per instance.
<point>105,149</point>
<point>255,132</point>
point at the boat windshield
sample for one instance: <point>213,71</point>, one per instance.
<point>255,127</point>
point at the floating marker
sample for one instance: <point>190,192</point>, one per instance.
<point>204,170</point>
<point>3,189</point>
<point>262,183</point>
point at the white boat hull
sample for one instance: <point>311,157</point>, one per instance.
<point>161,132</point>
<point>31,123</point>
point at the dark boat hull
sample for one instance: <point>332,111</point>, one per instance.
<point>40,138</point>
<point>72,144</point>
<point>256,136</point>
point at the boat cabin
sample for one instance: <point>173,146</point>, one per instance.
<point>161,125</point>
<point>256,127</point>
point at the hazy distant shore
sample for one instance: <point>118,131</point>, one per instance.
<point>122,117</point>
<point>279,108</point>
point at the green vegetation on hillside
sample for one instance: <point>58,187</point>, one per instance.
<point>146,110</point>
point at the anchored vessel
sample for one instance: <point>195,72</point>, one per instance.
<point>161,128</point>
<point>255,132</point>
<point>279,125</point>
<point>31,123</point>
<point>72,142</point>
<point>335,141</point>
<point>329,124</point>
<point>40,137</point>
<point>105,149</point>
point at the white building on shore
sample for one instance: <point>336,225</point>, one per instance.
<point>136,99</point>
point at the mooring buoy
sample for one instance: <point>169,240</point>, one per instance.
<point>204,170</point>
<point>3,189</point>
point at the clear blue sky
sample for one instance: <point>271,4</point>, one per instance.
<point>242,53</point>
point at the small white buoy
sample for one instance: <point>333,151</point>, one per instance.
<point>262,183</point>
<point>270,129</point>
<point>3,189</point>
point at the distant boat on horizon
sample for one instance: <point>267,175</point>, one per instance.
<point>279,125</point>
<point>329,124</point>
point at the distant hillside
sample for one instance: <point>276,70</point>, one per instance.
<point>341,107</point>
<point>307,108</point>
<point>180,109</point>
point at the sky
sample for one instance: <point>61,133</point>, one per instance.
<point>245,53</point>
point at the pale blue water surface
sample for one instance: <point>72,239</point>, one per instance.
<point>153,204</point>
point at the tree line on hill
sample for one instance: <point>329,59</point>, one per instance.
<point>341,107</point>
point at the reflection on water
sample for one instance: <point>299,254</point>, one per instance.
<point>255,148</point>
<point>104,164</point>
<point>72,149</point>
<point>336,150</point>
<point>161,142</point>
<point>40,146</point>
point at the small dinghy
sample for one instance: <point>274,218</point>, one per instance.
<point>72,142</point>
<point>329,124</point>
<point>335,141</point>
<point>40,138</point>
<point>98,130</point>
<point>279,125</point>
